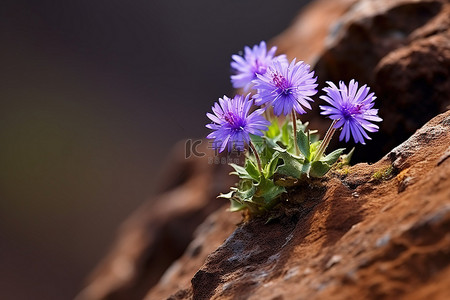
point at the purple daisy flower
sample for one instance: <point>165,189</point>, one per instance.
<point>351,109</point>
<point>255,61</point>
<point>232,124</point>
<point>286,87</point>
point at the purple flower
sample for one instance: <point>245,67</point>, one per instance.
<point>352,108</point>
<point>255,61</point>
<point>286,87</point>
<point>232,124</point>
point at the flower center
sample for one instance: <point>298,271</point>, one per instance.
<point>350,110</point>
<point>235,122</point>
<point>281,83</point>
<point>259,68</point>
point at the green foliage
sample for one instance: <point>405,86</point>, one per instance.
<point>256,191</point>
<point>384,173</point>
<point>285,163</point>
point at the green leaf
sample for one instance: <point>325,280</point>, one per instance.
<point>240,171</point>
<point>301,126</point>
<point>319,168</point>
<point>265,150</point>
<point>236,205</point>
<point>252,170</point>
<point>314,147</point>
<point>268,190</point>
<point>332,157</point>
<point>227,195</point>
<point>274,130</point>
<point>257,141</point>
<point>287,136</point>
<point>269,169</point>
<point>313,136</point>
<point>347,157</point>
<point>246,194</point>
<point>306,169</point>
<point>271,143</point>
<point>291,166</point>
<point>303,144</point>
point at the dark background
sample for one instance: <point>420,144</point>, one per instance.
<point>93,95</point>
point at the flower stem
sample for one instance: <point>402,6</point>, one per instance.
<point>326,140</point>
<point>294,125</point>
<point>258,160</point>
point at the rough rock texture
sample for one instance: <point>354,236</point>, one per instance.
<point>159,231</point>
<point>305,38</point>
<point>380,232</point>
<point>208,237</point>
<point>400,48</point>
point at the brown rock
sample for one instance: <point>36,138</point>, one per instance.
<point>208,237</point>
<point>400,48</point>
<point>159,231</point>
<point>305,38</point>
<point>369,31</point>
<point>356,237</point>
<point>413,84</point>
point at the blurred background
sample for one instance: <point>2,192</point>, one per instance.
<point>93,95</point>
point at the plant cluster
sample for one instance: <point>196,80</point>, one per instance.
<point>283,150</point>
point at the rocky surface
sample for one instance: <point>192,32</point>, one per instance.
<point>306,37</point>
<point>400,48</point>
<point>208,237</point>
<point>380,232</point>
<point>159,231</point>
